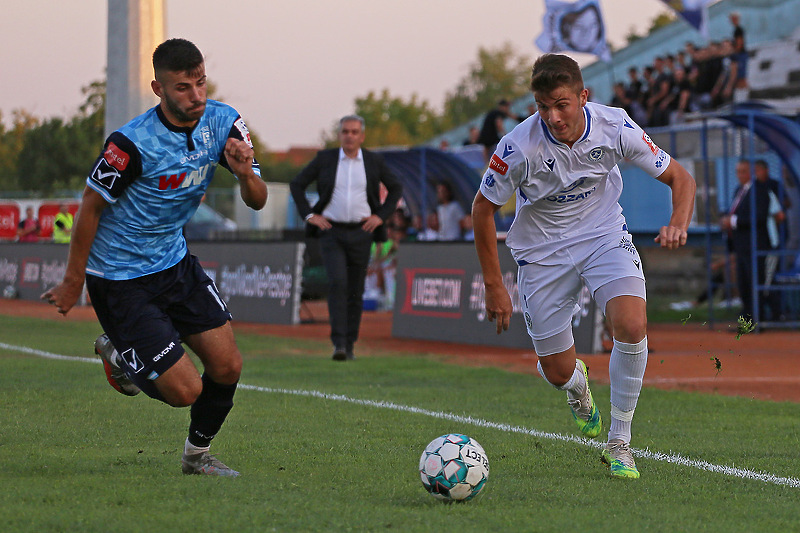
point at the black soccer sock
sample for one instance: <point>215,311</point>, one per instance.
<point>209,411</point>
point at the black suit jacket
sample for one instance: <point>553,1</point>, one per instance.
<point>323,170</point>
<point>741,235</point>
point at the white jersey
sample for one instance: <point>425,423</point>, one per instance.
<point>567,195</point>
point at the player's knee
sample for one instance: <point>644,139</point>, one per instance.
<point>228,371</point>
<point>631,330</point>
<point>185,395</point>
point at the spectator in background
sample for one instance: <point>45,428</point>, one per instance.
<point>723,88</point>
<point>791,205</point>
<point>762,175</point>
<point>531,110</point>
<point>648,86</point>
<point>681,60</point>
<point>620,98</point>
<point>28,229</point>
<point>472,136</point>
<point>634,92</point>
<point>679,100</point>
<point>774,222</point>
<point>348,217</point>
<point>737,223</point>
<point>62,225</point>
<point>738,83</point>
<point>661,88</point>
<point>431,230</point>
<point>494,127</point>
<point>706,67</point>
<point>449,213</point>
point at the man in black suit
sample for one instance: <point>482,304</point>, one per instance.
<point>738,224</point>
<point>348,217</point>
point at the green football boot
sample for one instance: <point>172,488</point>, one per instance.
<point>618,457</point>
<point>584,410</point>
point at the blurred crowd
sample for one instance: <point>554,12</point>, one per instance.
<point>692,79</point>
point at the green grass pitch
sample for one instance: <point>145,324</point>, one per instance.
<point>77,456</point>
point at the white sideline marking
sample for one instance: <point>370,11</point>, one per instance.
<point>48,355</point>
<point>673,458</point>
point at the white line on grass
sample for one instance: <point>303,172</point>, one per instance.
<point>673,458</point>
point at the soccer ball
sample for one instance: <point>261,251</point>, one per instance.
<point>454,467</point>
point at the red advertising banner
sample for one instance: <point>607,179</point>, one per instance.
<point>47,214</point>
<point>9,220</point>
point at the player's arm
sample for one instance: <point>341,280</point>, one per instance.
<point>637,146</point>
<point>115,169</point>
<point>65,295</point>
<point>239,158</point>
<point>683,188</point>
<point>498,302</point>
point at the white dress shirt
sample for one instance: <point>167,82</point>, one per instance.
<point>349,199</point>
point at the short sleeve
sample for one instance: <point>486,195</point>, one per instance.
<point>239,131</point>
<point>119,164</point>
<point>507,168</point>
<point>637,146</point>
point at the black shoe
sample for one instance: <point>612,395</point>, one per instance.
<point>350,355</point>
<point>339,355</point>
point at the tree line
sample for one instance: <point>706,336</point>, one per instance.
<point>46,156</point>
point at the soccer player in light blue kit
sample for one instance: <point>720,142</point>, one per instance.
<point>561,164</point>
<point>149,293</point>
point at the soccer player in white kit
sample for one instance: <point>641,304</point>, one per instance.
<point>568,231</point>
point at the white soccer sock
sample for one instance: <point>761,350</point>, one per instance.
<point>626,372</point>
<point>575,384</point>
<point>191,449</point>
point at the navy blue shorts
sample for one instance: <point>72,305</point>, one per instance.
<point>147,317</point>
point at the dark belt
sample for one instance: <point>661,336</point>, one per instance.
<point>346,225</point>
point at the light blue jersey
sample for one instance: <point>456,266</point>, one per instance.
<point>154,175</point>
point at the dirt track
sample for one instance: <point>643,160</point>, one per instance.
<point>764,366</point>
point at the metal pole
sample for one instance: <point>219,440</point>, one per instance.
<point>707,192</point>
<point>754,278</point>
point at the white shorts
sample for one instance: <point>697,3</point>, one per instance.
<point>550,290</point>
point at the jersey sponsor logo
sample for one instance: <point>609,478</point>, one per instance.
<point>662,156</point>
<point>550,163</point>
<point>240,125</point>
<point>498,165</point>
<point>132,360</point>
<point>183,179</point>
<point>205,134</point>
<point>507,151</point>
<point>194,156</point>
<point>171,181</point>
<point>116,157</point>
<point>650,143</point>
<point>596,154</point>
<point>489,180</point>
<point>104,174</point>
<point>566,196</point>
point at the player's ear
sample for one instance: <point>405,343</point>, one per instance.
<point>156,86</point>
<point>583,96</point>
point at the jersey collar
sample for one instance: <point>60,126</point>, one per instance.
<point>587,129</point>
<point>177,129</point>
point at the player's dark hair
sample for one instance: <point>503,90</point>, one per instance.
<point>176,55</point>
<point>552,71</point>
